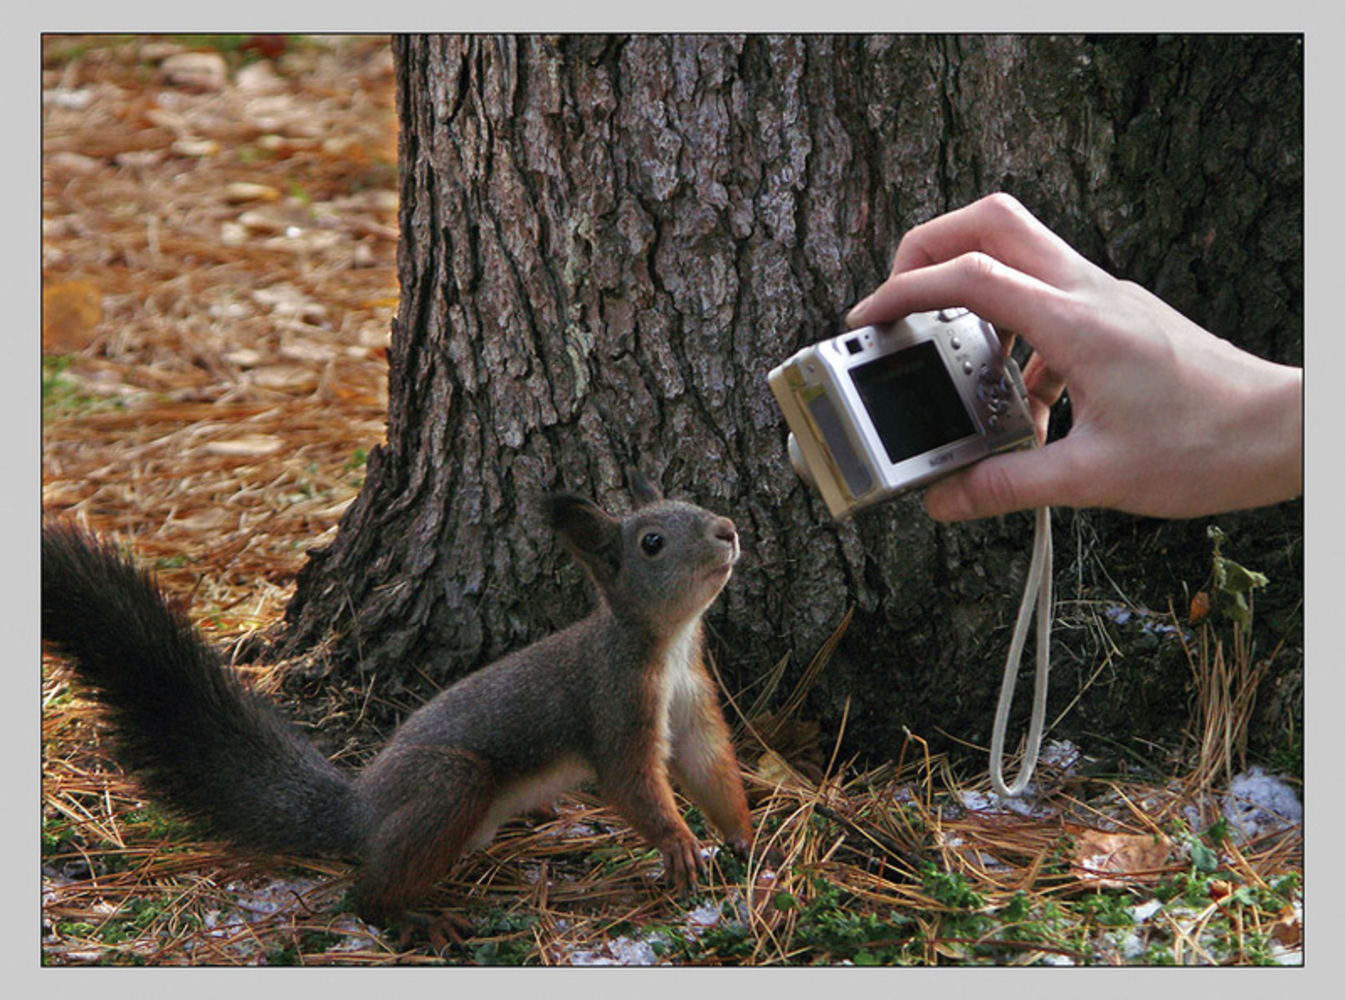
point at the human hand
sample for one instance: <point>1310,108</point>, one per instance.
<point>1169,420</point>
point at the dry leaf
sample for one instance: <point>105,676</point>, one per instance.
<point>1112,860</point>
<point>772,767</point>
<point>1288,928</point>
<point>194,148</point>
<point>797,741</point>
<point>1200,606</point>
<point>243,357</point>
<point>277,218</point>
<point>201,521</point>
<point>284,377</point>
<point>199,71</point>
<point>241,191</point>
<point>71,311</point>
<point>252,446</point>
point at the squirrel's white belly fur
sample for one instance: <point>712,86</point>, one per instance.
<point>536,790</point>
<point>681,687</point>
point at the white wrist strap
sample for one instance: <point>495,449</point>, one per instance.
<point>1038,587</point>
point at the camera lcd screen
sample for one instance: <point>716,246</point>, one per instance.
<point>912,402</point>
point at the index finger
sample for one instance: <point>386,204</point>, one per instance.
<point>997,225</point>
<point>1043,314</point>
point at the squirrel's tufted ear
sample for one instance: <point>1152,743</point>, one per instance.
<point>591,533</point>
<point>643,489</point>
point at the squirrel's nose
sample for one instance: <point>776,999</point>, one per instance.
<point>725,530</point>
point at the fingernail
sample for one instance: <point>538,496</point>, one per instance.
<point>856,315</point>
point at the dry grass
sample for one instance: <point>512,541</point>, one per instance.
<point>1226,678</point>
<point>214,409</point>
<point>223,369</point>
<point>891,864</point>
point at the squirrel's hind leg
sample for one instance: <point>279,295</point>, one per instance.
<point>427,803</point>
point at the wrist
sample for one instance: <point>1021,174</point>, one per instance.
<point>1285,468</point>
<point>1269,439</point>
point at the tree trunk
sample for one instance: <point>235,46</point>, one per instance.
<point>608,241</point>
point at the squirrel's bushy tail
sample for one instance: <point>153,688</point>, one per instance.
<point>199,741</point>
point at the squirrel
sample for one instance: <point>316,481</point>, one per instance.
<point>622,697</point>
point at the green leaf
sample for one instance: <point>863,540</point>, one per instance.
<point>1233,583</point>
<point>1203,859</point>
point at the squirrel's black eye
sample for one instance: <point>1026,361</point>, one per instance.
<point>652,543</point>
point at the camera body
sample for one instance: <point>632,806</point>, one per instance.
<point>885,409</point>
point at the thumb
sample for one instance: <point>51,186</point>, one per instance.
<point>1002,484</point>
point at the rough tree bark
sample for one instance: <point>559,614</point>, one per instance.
<point>607,241</point>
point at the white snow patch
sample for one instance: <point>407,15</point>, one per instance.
<point>619,951</point>
<point>989,802</point>
<point>1259,803</point>
<point>1060,754</point>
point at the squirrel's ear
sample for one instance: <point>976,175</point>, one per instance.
<point>643,490</point>
<point>592,534</point>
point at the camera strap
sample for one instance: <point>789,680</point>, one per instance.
<point>1037,590</point>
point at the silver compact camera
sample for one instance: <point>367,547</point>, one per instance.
<point>885,409</point>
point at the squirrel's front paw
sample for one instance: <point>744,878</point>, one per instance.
<point>746,847</point>
<point>739,845</point>
<point>683,862</point>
